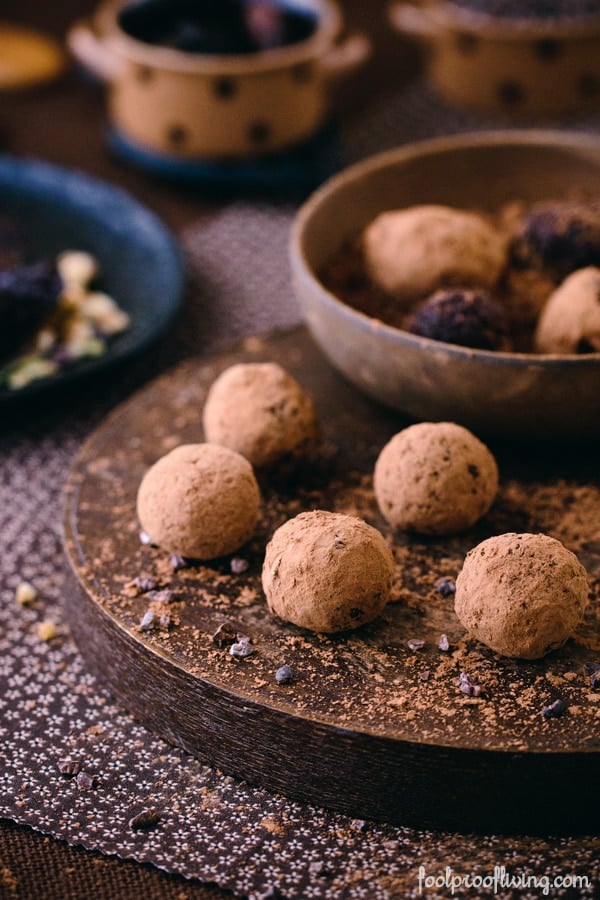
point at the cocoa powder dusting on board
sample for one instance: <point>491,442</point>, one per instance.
<point>370,678</point>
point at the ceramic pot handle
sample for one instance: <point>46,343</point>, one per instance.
<point>89,49</point>
<point>347,56</point>
<point>413,21</point>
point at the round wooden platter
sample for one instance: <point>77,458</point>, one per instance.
<point>367,725</point>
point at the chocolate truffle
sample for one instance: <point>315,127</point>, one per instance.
<point>327,572</point>
<point>412,252</point>
<point>199,501</point>
<point>435,478</point>
<point>570,321</point>
<point>470,318</point>
<point>558,237</point>
<point>522,595</point>
<point>260,411</point>
<point>549,241</point>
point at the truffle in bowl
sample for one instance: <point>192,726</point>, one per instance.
<point>524,394</point>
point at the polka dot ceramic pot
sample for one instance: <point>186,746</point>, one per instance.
<point>189,106</point>
<point>520,67</point>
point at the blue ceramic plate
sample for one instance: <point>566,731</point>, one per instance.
<point>140,262</point>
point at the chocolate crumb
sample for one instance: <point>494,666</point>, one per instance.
<point>46,630</point>
<point>144,821</point>
<point>554,710</point>
<point>225,634</point>
<point>85,782</point>
<point>284,674</point>
<point>145,583</point>
<point>446,587</point>
<point>147,621</point>
<point>415,644</point>
<point>589,668</point>
<point>243,647</point>
<point>238,565</point>
<point>424,676</point>
<point>467,686</point>
<point>165,596</point>
<point>592,670</point>
<point>69,767</point>
<point>444,643</point>
<point>177,562</point>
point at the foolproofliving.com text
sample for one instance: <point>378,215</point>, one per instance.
<point>500,879</point>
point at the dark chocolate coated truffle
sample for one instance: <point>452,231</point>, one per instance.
<point>558,237</point>
<point>462,316</point>
<point>27,295</point>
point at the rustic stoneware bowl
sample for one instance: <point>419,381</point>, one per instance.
<point>188,106</point>
<point>518,67</point>
<point>514,394</point>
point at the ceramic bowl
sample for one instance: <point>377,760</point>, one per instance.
<point>522,67</point>
<point>187,106</point>
<point>513,394</point>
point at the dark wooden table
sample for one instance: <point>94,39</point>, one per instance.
<point>64,123</point>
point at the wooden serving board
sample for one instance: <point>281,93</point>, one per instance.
<point>367,725</point>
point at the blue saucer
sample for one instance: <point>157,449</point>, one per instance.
<point>141,263</point>
<point>302,167</point>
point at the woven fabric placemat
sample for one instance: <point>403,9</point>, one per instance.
<point>207,826</point>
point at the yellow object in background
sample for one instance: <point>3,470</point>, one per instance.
<point>27,57</point>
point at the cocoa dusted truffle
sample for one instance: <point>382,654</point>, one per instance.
<point>412,252</point>
<point>549,241</point>
<point>522,595</point>
<point>558,237</point>
<point>470,318</point>
<point>435,478</point>
<point>260,411</point>
<point>200,501</point>
<point>327,572</point>
<point>570,320</point>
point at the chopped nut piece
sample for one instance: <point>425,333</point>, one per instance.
<point>77,268</point>
<point>46,630</point>
<point>30,368</point>
<point>25,593</point>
